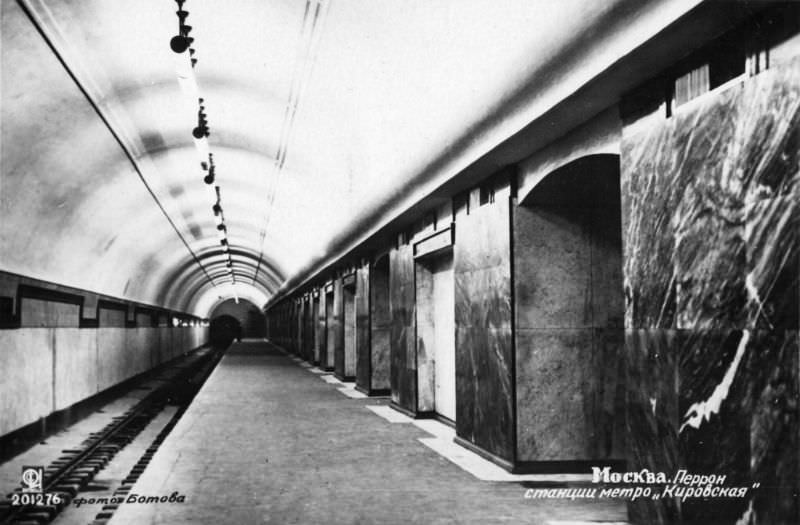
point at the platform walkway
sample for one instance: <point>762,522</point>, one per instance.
<point>266,441</point>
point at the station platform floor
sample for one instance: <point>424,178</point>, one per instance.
<point>267,440</point>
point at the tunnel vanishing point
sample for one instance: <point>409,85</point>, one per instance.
<point>564,233</point>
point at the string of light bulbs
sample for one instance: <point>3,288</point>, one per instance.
<point>186,63</point>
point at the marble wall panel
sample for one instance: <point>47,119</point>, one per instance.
<point>298,335</point>
<point>772,259</point>
<point>381,359</point>
<point>484,343</point>
<point>326,359</point>
<point>26,394</point>
<point>363,364</point>
<point>348,355</point>
<point>310,329</point>
<point>608,298</point>
<point>338,325</point>
<point>711,248</point>
<point>141,348</point>
<point>178,342</point>
<point>551,423</point>
<point>164,341</point>
<point>714,438</point>
<point>75,366</point>
<point>552,271</point>
<point>571,407</point>
<point>652,415</point>
<point>338,349</point>
<point>111,317</point>
<point>112,354</point>
<point>320,335</point>
<point>168,344</point>
<point>426,334</point>
<point>670,213</point>
<point>403,376</point>
<point>606,392</point>
<point>569,311</point>
<point>298,327</point>
<point>42,313</point>
<point>775,424</point>
<point>134,350</point>
<point>49,369</point>
<point>151,346</point>
<point>380,325</point>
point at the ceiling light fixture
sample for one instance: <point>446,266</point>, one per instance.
<point>180,43</point>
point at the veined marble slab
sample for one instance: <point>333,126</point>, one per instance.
<point>711,226</point>
<point>402,340</point>
<point>484,340</point>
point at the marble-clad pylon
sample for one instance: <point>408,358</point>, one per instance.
<point>710,234</point>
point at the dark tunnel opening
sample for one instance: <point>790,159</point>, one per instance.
<point>231,320</point>
<point>223,330</point>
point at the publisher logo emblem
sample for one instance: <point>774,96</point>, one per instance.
<point>32,479</point>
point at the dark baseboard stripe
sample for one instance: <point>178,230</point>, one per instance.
<point>504,463</point>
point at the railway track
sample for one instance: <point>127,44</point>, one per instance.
<point>64,478</point>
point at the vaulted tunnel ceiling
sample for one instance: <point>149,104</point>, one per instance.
<point>361,96</point>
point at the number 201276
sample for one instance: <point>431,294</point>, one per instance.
<point>48,498</point>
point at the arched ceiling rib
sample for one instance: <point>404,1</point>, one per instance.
<point>185,281</point>
<point>210,299</point>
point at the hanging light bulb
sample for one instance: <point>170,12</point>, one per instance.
<point>201,130</point>
<point>179,44</point>
<point>200,133</point>
<point>184,65</point>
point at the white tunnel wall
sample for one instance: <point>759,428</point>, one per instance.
<point>50,369</point>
